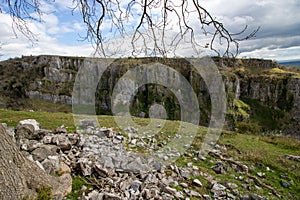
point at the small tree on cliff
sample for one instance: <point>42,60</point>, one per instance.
<point>145,20</point>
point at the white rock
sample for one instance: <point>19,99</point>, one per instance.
<point>32,122</point>
<point>197,182</point>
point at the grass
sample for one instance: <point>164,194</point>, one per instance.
<point>262,115</point>
<point>77,183</point>
<point>247,148</point>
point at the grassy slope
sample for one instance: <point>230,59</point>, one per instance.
<point>250,149</point>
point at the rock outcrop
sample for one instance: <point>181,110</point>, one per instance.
<point>51,78</point>
<point>101,155</point>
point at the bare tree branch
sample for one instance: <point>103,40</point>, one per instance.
<point>156,27</point>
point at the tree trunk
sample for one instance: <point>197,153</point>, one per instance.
<point>20,177</point>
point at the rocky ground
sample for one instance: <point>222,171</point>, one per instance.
<point>110,167</point>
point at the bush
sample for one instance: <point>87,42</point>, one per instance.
<point>249,128</point>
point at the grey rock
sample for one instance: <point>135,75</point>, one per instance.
<point>61,130</point>
<point>110,196</point>
<point>94,195</point>
<point>232,185</point>
<point>292,157</point>
<point>43,152</point>
<point>32,122</point>
<point>195,194</point>
<point>73,138</point>
<point>197,183</point>
<point>184,185</point>
<point>107,132</point>
<point>206,197</point>
<point>51,164</point>
<point>179,195</point>
<point>135,186</point>
<point>284,184</point>
<point>103,172</point>
<point>47,139</point>
<point>185,172</point>
<point>167,196</point>
<point>170,190</point>
<point>24,131</point>
<point>85,123</point>
<point>219,168</point>
<point>256,197</point>
<point>218,189</point>
<point>62,141</point>
<point>39,165</point>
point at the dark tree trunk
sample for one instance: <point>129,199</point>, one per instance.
<point>20,177</point>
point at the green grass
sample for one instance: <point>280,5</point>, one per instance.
<point>247,148</point>
<point>264,116</point>
<point>270,151</point>
<point>77,183</point>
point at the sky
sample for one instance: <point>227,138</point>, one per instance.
<point>62,32</point>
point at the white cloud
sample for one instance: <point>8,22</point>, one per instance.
<point>13,46</point>
<point>278,38</point>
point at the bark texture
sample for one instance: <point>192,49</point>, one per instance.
<point>20,177</point>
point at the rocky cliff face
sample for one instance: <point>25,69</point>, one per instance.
<point>253,81</point>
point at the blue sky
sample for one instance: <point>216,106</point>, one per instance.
<point>61,32</point>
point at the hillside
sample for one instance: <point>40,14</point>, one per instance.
<point>239,166</point>
<point>262,96</point>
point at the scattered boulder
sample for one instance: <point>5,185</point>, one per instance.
<point>31,122</point>
<point>42,152</point>
<point>120,173</point>
<point>62,142</point>
<point>219,168</point>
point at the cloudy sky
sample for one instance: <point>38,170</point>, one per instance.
<point>62,32</point>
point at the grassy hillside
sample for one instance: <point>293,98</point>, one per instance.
<point>262,154</point>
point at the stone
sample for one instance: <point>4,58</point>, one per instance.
<point>84,166</point>
<point>185,173</point>
<point>219,168</point>
<point>133,141</point>
<point>51,164</point>
<point>110,196</point>
<point>85,123</point>
<point>232,186</point>
<point>24,131</point>
<point>197,183</point>
<point>189,164</point>
<point>103,172</point>
<point>218,189</point>
<point>63,168</point>
<point>47,139</point>
<point>62,141</point>
<point>135,186</point>
<point>107,132</point>
<point>206,197</point>
<point>170,190</point>
<point>179,195</point>
<point>184,185</point>
<point>94,195</point>
<point>32,122</point>
<point>260,165</point>
<point>61,130</point>
<point>73,138</point>
<point>284,184</point>
<point>43,152</point>
<point>261,174</point>
<point>292,157</point>
<point>255,197</point>
<point>39,165</point>
<point>195,194</point>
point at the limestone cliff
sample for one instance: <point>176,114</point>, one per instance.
<point>250,84</point>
